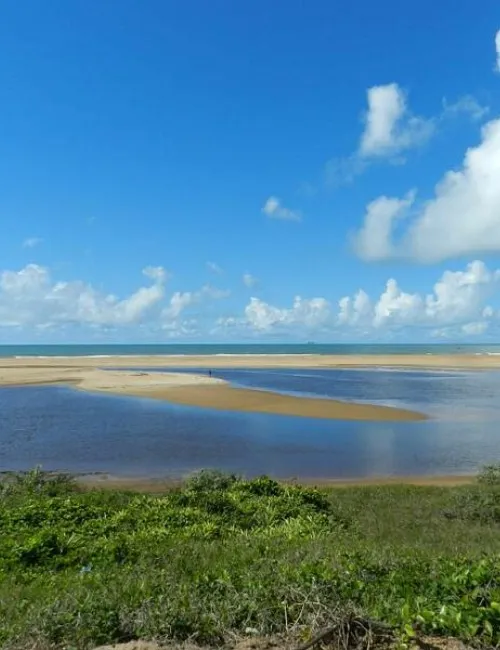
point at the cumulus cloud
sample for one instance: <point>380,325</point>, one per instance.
<point>31,297</point>
<point>497,50</point>
<point>456,306</point>
<point>356,310</point>
<point>249,280</point>
<point>313,313</point>
<point>458,299</point>
<point>463,217</point>
<point>31,242</point>
<point>390,130</point>
<point>260,316</point>
<point>374,240</point>
<point>180,301</point>
<point>274,209</point>
<point>390,127</point>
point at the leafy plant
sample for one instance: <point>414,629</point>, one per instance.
<point>222,555</point>
<point>490,475</point>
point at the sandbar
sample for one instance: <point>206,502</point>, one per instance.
<point>423,361</point>
<point>89,373</point>
<point>198,390</point>
<point>228,398</point>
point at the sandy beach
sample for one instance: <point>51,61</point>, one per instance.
<point>441,361</point>
<point>96,374</point>
<point>194,390</point>
<point>201,390</point>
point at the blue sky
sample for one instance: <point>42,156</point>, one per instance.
<point>272,166</point>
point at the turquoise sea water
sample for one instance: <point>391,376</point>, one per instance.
<point>105,350</point>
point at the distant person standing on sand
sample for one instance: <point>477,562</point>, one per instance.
<point>209,373</point>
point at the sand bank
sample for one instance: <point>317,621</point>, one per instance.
<point>194,390</point>
<point>227,398</point>
<point>452,361</point>
<point>97,380</point>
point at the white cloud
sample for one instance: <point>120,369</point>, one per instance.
<point>31,242</point>
<point>156,273</point>
<point>462,219</point>
<point>397,307</point>
<point>249,280</point>
<point>31,297</point>
<point>213,267</point>
<point>275,210</point>
<point>456,306</point>
<point>474,329</point>
<point>187,328</point>
<point>460,295</point>
<point>390,128</point>
<point>180,301</point>
<point>497,50</point>
<point>466,105</point>
<point>310,314</point>
<point>458,299</point>
<point>355,311</point>
<point>374,240</point>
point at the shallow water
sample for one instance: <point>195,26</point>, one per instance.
<point>63,429</point>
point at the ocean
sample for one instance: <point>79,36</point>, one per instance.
<point>106,350</point>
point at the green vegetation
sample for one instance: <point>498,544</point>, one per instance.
<point>224,557</point>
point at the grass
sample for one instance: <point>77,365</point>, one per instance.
<point>224,557</point>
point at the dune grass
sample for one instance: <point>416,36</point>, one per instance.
<point>223,557</point>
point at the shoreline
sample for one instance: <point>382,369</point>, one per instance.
<point>164,484</point>
<point>402,361</point>
<point>199,391</point>
<point>129,376</point>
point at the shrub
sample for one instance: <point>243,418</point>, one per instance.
<point>489,475</point>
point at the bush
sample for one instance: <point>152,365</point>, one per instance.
<point>481,503</point>
<point>36,482</point>
<point>489,475</point>
<point>209,480</point>
<point>221,555</point>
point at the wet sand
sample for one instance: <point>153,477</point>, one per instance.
<point>86,373</point>
<point>197,390</point>
<point>97,380</point>
<point>227,398</point>
<point>159,485</point>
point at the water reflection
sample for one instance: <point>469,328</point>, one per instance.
<point>63,429</point>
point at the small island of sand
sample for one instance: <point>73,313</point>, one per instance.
<point>196,390</point>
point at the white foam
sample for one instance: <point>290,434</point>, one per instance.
<point>249,354</point>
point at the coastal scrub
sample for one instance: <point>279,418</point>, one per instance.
<point>222,558</point>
